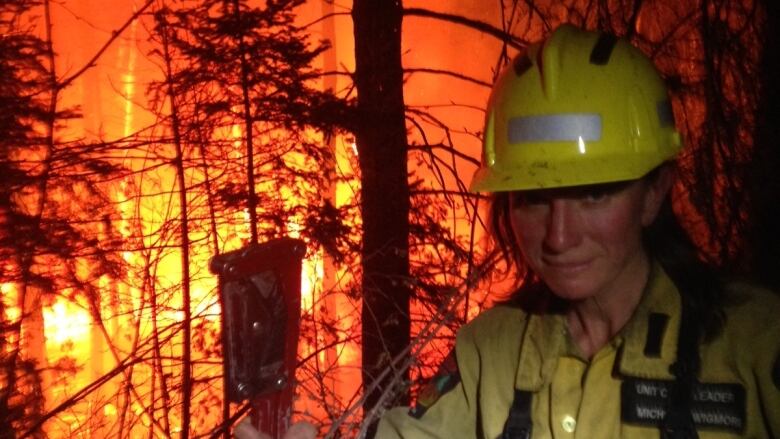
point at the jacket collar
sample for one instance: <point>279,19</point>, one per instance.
<point>645,329</point>
<point>647,345</point>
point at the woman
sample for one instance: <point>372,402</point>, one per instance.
<point>618,329</point>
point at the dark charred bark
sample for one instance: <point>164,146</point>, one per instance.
<point>178,163</point>
<point>382,149</point>
<point>765,183</point>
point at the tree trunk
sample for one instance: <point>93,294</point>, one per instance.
<point>765,185</point>
<point>178,162</point>
<point>382,150</point>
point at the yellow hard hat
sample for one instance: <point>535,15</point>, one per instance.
<point>580,108</point>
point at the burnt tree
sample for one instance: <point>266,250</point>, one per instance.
<point>382,149</point>
<point>764,185</point>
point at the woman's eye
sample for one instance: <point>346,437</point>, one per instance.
<point>596,196</point>
<point>526,199</point>
<point>601,193</point>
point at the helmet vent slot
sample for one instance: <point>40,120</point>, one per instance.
<point>602,50</point>
<point>522,64</point>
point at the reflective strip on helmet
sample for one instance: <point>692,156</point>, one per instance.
<point>555,128</point>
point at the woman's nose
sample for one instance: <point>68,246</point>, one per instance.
<point>563,226</point>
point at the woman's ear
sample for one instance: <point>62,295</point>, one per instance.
<point>659,183</point>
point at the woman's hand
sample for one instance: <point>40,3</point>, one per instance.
<point>299,430</point>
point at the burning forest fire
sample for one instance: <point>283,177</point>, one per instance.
<point>110,359</point>
<point>154,136</point>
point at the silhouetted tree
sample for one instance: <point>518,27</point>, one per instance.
<point>764,185</point>
<point>384,198</point>
<point>249,67</point>
<point>239,114</point>
<point>48,200</point>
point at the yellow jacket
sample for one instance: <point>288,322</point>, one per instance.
<point>506,349</point>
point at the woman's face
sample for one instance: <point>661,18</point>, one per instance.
<point>586,242</point>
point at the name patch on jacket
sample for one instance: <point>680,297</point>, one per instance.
<point>719,406</point>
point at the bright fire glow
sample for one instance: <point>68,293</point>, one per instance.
<point>144,305</point>
<point>65,323</point>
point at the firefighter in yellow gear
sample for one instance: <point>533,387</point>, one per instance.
<point>617,330</point>
<point>509,356</point>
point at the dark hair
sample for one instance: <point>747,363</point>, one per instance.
<point>500,227</point>
<point>700,284</point>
